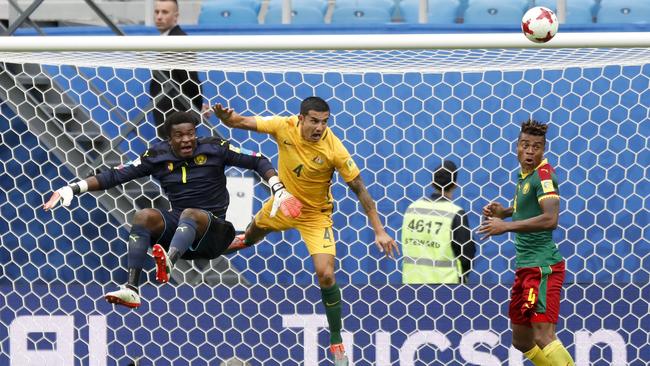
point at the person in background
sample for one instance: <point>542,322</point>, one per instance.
<point>436,241</point>
<point>175,90</point>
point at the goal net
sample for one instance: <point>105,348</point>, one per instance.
<point>69,109</point>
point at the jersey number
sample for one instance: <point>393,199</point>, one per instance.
<point>421,225</point>
<point>297,170</point>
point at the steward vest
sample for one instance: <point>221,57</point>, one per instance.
<point>428,256</point>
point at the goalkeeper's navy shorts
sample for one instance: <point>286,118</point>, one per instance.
<point>216,239</point>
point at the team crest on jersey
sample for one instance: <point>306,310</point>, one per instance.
<point>526,188</point>
<point>200,159</point>
<point>317,160</point>
<point>170,166</point>
<point>350,163</point>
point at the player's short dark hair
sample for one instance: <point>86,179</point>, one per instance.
<point>173,1</point>
<point>444,177</point>
<point>535,128</point>
<point>313,104</point>
<point>177,118</point>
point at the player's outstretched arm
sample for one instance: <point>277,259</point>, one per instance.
<point>233,119</point>
<point>283,199</point>
<point>384,242</point>
<point>65,194</point>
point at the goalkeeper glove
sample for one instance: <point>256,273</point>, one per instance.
<point>283,200</point>
<point>65,194</point>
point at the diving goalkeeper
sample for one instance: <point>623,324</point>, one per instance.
<point>191,173</point>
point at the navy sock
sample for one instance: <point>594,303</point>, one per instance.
<point>183,238</point>
<point>139,241</point>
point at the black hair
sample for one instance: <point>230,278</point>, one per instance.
<point>444,177</point>
<point>313,104</point>
<point>177,118</point>
<point>535,128</point>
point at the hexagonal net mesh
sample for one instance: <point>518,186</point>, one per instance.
<point>65,117</point>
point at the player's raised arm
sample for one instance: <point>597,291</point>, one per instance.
<point>233,119</point>
<point>384,242</point>
<point>65,194</point>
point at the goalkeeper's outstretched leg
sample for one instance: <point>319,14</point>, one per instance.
<point>188,234</point>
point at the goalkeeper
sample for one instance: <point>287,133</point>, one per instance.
<point>191,172</point>
<point>308,155</point>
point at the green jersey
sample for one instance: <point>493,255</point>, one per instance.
<point>535,249</point>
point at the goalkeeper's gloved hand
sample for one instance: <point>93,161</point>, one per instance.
<point>283,200</point>
<point>65,194</point>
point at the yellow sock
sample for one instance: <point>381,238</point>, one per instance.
<point>536,356</point>
<point>557,355</point>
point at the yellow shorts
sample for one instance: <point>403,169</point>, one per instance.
<point>315,228</point>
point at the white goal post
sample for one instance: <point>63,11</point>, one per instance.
<point>401,103</point>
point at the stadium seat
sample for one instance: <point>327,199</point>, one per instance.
<point>492,13</point>
<point>226,14</point>
<point>386,4</point>
<point>523,4</point>
<point>440,11</point>
<point>624,11</point>
<point>253,4</point>
<point>360,15</point>
<point>577,11</point>
<point>299,15</point>
<point>320,4</point>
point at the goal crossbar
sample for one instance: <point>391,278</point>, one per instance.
<point>323,42</point>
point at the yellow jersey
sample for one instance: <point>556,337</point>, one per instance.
<point>306,168</point>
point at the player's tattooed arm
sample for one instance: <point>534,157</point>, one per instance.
<point>384,242</point>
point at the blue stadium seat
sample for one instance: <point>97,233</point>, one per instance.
<point>226,14</point>
<point>386,4</point>
<point>492,13</point>
<point>299,15</point>
<point>440,11</point>
<point>624,11</point>
<point>523,4</point>
<point>320,4</point>
<point>360,15</point>
<point>253,4</point>
<point>577,11</point>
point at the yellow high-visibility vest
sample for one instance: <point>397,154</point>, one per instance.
<point>428,256</point>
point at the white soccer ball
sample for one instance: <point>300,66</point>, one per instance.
<point>539,24</point>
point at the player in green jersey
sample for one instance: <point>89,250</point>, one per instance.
<point>535,298</point>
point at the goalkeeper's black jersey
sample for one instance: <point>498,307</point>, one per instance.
<point>198,182</point>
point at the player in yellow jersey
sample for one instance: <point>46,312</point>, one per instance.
<point>309,152</point>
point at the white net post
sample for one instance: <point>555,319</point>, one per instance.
<point>400,105</point>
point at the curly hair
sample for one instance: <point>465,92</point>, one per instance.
<point>535,128</point>
<point>177,118</point>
